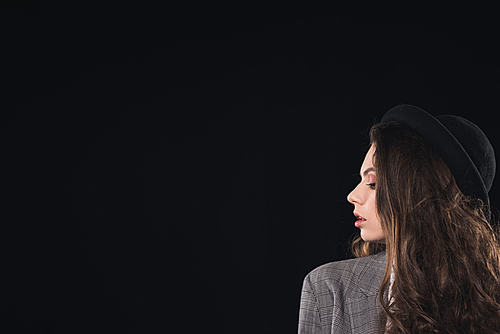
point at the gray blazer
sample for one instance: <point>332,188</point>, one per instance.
<point>339,297</point>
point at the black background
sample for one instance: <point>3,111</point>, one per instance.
<point>182,168</point>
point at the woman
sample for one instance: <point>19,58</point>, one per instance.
<point>427,257</point>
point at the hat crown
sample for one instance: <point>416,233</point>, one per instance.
<point>475,143</point>
<point>461,144</point>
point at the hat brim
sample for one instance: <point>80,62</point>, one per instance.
<point>445,144</point>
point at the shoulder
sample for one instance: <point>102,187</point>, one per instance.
<point>351,266</point>
<point>339,296</point>
<point>363,272</point>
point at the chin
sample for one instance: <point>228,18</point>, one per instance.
<point>373,238</point>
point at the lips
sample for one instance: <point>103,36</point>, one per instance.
<point>360,219</point>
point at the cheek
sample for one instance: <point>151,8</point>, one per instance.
<point>372,205</point>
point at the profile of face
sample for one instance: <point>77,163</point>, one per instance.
<point>363,199</point>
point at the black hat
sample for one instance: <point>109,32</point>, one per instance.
<point>461,144</point>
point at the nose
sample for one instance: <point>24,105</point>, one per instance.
<point>354,197</point>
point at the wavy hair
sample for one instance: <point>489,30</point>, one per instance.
<point>444,254</point>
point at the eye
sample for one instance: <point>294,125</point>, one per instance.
<point>371,185</point>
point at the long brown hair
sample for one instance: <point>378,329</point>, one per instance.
<point>444,254</point>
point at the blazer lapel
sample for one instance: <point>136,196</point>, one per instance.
<point>371,275</point>
<point>363,307</point>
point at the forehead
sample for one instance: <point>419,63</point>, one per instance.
<point>368,162</point>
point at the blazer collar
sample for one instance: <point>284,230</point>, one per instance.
<point>371,276</point>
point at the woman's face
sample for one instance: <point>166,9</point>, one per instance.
<point>363,198</point>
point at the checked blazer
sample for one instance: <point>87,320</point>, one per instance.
<point>339,297</point>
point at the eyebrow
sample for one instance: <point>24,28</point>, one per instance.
<point>368,170</point>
